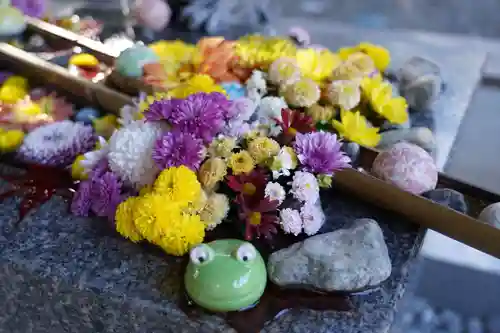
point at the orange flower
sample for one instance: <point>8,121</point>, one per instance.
<point>219,60</point>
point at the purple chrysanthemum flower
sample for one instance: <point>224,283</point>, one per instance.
<point>99,169</point>
<point>201,115</point>
<point>160,110</point>
<point>4,75</point>
<point>319,152</point>
<point>82,200</point>
<point>57,144</point>
<point>33,8</point>
<point>175,148</point>
<point>106,195</point>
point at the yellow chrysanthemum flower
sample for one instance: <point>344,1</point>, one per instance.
<point>241,162</point>
<point>144,104</point>
<point>321,113</point>
<point>151,210</point>
<point>380,96</point>
<point>77,170</point>
<point>125,221</point>
<point>197,83</point>
<point>178,184</point>
<point>261,149</point>
<point>215,210</point>
<point>211,172</point>
<point>317,64</point>
<point>10,140</point>
<point>176,51</point>
<point>260,51</point>
<point>222,147</point>
<point>354,127</point>
<point>303,93</point>
<point>13,89</point>
<point>284,71</point>
<point>380,55</point>
<point>180,233</point>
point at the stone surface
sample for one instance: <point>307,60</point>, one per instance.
<point>491,215</point>
<point>448,197</point>
<point>351,149</point>
<point>59,273</point>
<point>420,83</point>
<point>420,136</point>
<point>350,259</point>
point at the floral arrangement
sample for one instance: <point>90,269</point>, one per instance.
<point>343,91</point>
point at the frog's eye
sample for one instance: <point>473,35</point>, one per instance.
<point>246,253</point>
<point>201,254</point>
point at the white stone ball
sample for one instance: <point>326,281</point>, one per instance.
<point>491,215</point>
<point>408,167</point>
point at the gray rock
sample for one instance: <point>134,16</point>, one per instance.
<point>420,136</point>
<point>448,197</point>
<point>491,215</point>
<point>351,149</point>
<point>387,125</point>
<point>344,260</point>
<point>420,83</point>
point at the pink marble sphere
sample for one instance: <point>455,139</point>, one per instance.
<point>152,14</point>
<point>408,167</point>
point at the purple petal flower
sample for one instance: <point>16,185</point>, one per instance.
<point>175,148</point>
<point>160,110</point>
<point>4,76</point>
<point>33,8</point>
<point>80,206</point>
<point>106,195</point>
<point>57,144</point>
<point>99,169</point>
<point>319,152</point>
<point>201,115</point>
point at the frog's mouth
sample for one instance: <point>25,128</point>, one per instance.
<point>232,302</point>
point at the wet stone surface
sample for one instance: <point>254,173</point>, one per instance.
<point>60,273</point>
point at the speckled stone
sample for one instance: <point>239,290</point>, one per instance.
<point>59,273</point>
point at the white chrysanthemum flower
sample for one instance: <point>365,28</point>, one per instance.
<point>305,187</point>
<point>313,217</point>
<point>274,191</point>
<point>283,163</point>
<point>91,158</point>
<point>242,109</point>
<point>256,85</point>
<point>130,150</point>
<point>290,221</point>
<point>270,108</point>
<point>344,93</point>
<point>130,112</point>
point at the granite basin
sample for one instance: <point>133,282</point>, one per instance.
<point>60,273</point>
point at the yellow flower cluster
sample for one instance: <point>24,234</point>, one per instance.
<point>380,96</point>
<point>196,84</point>
<point>162,214</point>
<point>256,51</point>
<point>13,89</point>
<point>10,140</point>
<point>354,127</point>
<point>380,55</point>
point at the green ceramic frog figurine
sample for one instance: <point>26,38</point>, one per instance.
<point>12,21</point>
<point>225,275</point>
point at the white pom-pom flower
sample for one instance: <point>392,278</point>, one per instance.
<point>130,153</point>
<point>305,187</point>
<point>275,192</point>
<point>290,221</point>
<point>313,217</point>
<point>256,85</point>
<point>91,158</point>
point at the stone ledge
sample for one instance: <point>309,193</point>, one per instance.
<point>76,275</point>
